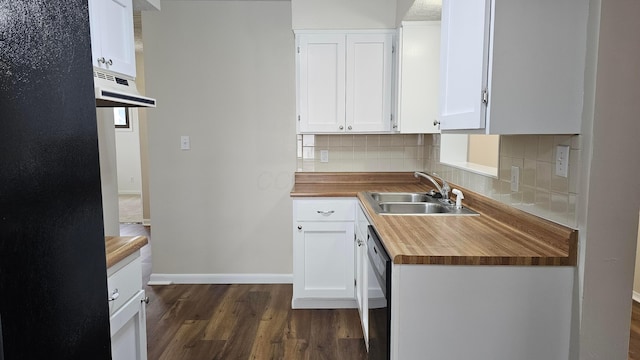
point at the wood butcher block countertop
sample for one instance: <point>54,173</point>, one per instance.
<point>501,235</point>
<point>119,247</point>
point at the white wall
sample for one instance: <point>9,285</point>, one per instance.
<point>343,14</point>
<point>608,216</point>
<point>128,156</point>
<point>222,73</point>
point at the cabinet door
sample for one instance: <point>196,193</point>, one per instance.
<point>537,62</point>
<point>368,92</point>
<point>112,42</point>
<point>323,260</point>
<point>96,11</point>
<point>463,63</point>
<point>321,79</point>
<point>362,272</point>
<point>129,330</point>
<point>418,74</point>
<point>362,284</point>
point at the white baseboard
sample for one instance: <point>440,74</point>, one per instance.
<point>159,283</point>
<point>324,303</point>
<point>166,279</point>
<point>129,192</point>
<point>636,296</point>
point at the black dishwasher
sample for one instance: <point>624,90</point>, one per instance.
<point>379,308</point>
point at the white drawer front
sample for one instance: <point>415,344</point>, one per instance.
<point>325,210</point>
<point>125,282</point>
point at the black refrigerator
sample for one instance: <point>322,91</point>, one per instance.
<point>53,283</point>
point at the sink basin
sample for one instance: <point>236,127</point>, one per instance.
<point>401,197</point>
<point>422,209</point>
<point>413,208</point>
<point>405,203</point>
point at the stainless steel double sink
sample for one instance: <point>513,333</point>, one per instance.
<point>406,203</point>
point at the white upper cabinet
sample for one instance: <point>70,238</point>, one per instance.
<point>344,81</point>
<point>512,66</point>
<point>112,42</point>
<point>418,71</point>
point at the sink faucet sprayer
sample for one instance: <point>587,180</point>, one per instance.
<point>443,190</point>
<point>459,197</point>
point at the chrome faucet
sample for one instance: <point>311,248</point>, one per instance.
<point>443,190</point>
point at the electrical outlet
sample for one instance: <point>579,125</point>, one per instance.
<point>324,156</point>
<point>515,178</point>
<point>562,160</point>
<point>185,142</point>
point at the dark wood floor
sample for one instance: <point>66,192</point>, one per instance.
<point>634,338</point>
<point>237,322</point>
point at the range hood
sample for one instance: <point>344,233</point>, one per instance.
<point>115,90</point>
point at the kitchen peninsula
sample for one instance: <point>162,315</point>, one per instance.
<point>494,286</point>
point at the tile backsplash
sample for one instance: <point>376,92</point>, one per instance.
<point>361,152</point>
<point>540,192</point>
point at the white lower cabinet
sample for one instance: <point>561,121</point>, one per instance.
<point>323,255</point>
<point>127,303</point>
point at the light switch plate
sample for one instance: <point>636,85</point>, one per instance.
<point>324,156</point>
<point>562,160</point>
<point>515,178</point>
<point>185,142</point>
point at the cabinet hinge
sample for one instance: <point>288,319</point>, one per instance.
<point>391,117</point>
<point>393,49</point>
<point>298,117</point>
<point>355,283</point>
<point>485,96</point>
<point>298,49</point>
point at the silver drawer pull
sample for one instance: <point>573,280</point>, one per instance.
<point>325,213</point>
<point>114,295</point>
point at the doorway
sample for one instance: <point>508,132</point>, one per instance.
<point>129,165</point>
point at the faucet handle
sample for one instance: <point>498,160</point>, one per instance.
<point>445,186</point>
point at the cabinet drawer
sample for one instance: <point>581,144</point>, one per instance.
<point>125,282</point>
<point>324,210</point>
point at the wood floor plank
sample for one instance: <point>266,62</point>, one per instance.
<point>187,336</point>
<point>249,309</point>
<point>352,349</point>
<point>206,350</point>
<point>348,323</point>
<point>268,343</point>
<point>225,314</point>
<point>296,349</point>
<point>323,343</point>
<point>634,333</point>
<point>299,324</point>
